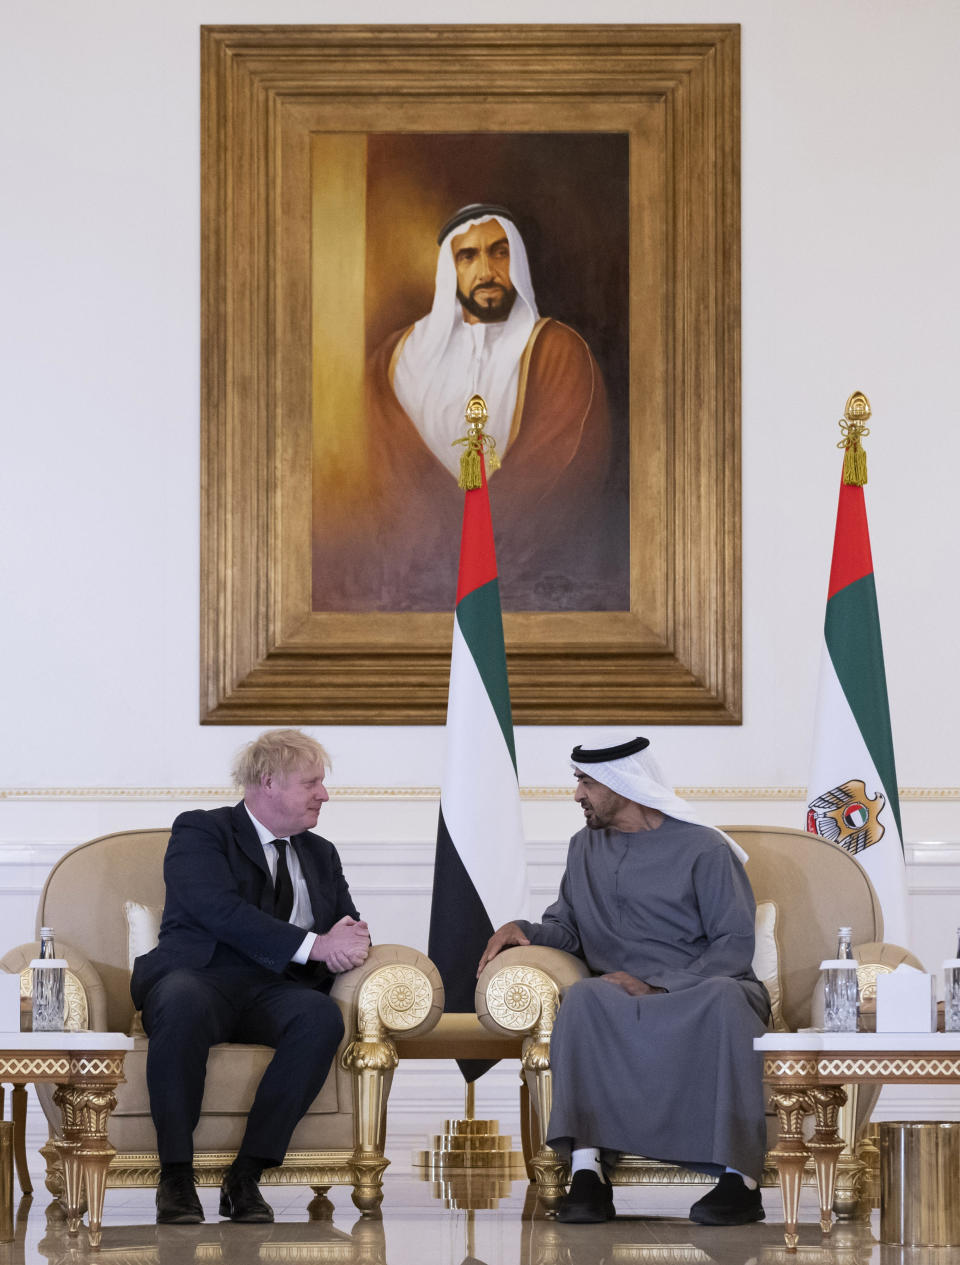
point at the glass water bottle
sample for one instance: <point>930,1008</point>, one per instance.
<point>841,995</point>
<point>49,1009</point>
<point>951,991</point>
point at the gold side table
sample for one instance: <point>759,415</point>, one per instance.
<point>807,1071</point>
<point>86,1067</point>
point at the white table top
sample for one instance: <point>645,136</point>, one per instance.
<point>65,1041</point>
<point>865,1042</point>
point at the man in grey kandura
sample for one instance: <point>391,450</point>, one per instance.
<point>653,1054</point>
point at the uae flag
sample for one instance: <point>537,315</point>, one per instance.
<point>852,795</point>
<point>479,880</point>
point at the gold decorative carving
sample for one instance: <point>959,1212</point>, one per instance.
<point>552,1176</point>
<point>391,998</point>
<point>90,1107</point>
<point>776,1068</point>
<point>398,997</point>
<point>900,1067</point>
<point>518,996</point>
<point>867,973</point>
<point>661,1253</point>
<point>33,1067</point>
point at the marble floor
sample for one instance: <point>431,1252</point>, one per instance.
<point>421,1227</point>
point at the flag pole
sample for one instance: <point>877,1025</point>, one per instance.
<point>479,870</point>
<point>852,793</point>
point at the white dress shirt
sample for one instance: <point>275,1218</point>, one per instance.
<point>302,914</point>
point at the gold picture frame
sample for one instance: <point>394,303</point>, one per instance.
<point>267,655</point>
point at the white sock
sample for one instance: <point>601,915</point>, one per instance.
<point>585,1157</point>
<point>747,1181</point>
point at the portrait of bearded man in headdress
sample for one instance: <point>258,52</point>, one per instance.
<point>558,498</point>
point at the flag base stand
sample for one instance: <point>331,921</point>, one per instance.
<point>471,1164</point>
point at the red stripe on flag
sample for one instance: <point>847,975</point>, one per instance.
<point>478,561</point>
<point>851,543</point>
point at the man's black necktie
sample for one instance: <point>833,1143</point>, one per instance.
<point>282,884</point>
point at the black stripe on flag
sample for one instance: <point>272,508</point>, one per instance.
<point>459,930</point>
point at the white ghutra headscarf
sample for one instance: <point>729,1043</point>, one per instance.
<point>445,360</point>
<point>631,771</point>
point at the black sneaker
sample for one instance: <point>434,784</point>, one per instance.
<point>590,1198</point>
<point>729,1203</point>
<point>240,1200</point>
<point>177,1202</point>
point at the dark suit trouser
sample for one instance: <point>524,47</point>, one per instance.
<point>189,1010</point>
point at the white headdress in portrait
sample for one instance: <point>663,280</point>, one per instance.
<point>445,360</point>
<point>631,771</point>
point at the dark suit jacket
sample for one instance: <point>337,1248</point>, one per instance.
<point>219,892</point>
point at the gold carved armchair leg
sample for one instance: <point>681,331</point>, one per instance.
<point>320,1208</point>
<point>391,999</point>
<point>549,1169</point>
<point>531,1138</point>
<point>525,999</point>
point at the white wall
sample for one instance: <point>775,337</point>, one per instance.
<point>851,179</point>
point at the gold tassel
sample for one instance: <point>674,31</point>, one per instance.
<point>853,427</point>
<point>475,441</point>
<point>470,469</point>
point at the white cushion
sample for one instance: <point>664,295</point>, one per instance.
<point>766,959</point>
<point>143,929</point>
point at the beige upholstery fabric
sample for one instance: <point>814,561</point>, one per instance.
<point>816,887</point>
<point>104,900</point>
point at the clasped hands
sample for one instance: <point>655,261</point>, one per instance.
<point>345,945</point>
<point>510,934</point>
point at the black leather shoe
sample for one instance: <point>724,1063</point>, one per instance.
<point>729,1203</point>
<point>177,1202</point>
<point>589,1199</point>
<point>240,1200</point>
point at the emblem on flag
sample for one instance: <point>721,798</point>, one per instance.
<point>847,816</point>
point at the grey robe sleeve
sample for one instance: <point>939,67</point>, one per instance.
<point>727,912</point>
<point>559,929</point>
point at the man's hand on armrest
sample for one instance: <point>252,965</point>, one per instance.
<point>345,945</point>
<point>509,934</point>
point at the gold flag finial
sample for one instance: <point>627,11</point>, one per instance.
<point>475,441</point>
<point>853,426</point>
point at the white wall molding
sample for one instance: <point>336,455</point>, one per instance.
<point>418,794</point>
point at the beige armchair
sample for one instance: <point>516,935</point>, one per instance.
<point>340,1141</point>
<point>808,887</point>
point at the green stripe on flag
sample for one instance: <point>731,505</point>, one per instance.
<point>852,632</point>
<point>478,615</point>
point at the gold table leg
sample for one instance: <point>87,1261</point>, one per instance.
<point>826,1145</point>
<point>6,1181</point>
<point>20,1138</point>
<point>790,1155</point>
<point>85,1151</point>
<point>67,1143</point>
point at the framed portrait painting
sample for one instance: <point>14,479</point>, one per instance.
<point>396,217</point>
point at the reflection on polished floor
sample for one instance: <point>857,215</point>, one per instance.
<point>425,1223</point>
